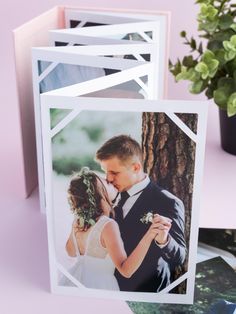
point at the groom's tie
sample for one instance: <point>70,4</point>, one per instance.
<point>119,208</point>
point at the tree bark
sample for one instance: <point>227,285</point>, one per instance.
<point>169,156</point>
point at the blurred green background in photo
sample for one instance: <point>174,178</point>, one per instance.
<point>75,145</point>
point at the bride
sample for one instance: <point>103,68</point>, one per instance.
<point>95,239</point>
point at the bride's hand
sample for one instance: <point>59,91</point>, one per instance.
<point>152,231</point>
<point>164,225</point>
<point>159,229</point>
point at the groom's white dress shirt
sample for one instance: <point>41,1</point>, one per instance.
<point>134,192</point>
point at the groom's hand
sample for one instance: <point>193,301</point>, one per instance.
<point>164,225</point>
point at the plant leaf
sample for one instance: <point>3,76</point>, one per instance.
<point>225,21</point>
<point>226,82</point>
<point>188,61</point>
<point>230,55</point>
<point>225,87</point>
<point>176,68</point>
<point>200,48</point>
<point>209,27</point>
<point>223,35</point>
<point>193,43</point>
<point>214,45</point>
<point>233,26</point>
<point>221,97</point>
<point>202,68</point>
<point>196,87</point>
<point>233,41</point>
<point>231,105</point>
<point>208,56</point>
<point>220,56</point>
<point>182,75</point>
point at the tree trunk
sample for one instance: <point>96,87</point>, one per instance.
<point>169,156</point>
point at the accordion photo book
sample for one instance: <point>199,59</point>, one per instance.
<point>120,168</point>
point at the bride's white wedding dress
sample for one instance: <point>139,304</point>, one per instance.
<point>93,269</point>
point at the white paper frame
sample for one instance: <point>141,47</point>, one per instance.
<point>89,56</point>
<point>78,104</point>
<point>108,35</point>
<point>103,17</point>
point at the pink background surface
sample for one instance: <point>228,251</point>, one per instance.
<point>24,284</point>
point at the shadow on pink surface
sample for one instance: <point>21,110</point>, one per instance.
<point>24,253</point>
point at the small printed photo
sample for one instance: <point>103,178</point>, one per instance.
<point>120,191</point>
<point>215,292</point>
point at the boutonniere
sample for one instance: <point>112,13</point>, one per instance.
<point>147,218</point>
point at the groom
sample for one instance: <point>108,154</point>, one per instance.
<point>121,159</point>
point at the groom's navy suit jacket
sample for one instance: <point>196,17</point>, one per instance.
<point>156,270</point>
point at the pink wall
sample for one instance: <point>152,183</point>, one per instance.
<point>23,244</point>
<point>13,15</point>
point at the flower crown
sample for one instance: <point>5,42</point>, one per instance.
<point>85,216</point>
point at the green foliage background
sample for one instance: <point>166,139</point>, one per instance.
<point>76,144</point>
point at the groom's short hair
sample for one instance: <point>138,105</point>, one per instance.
<point>123,147</point>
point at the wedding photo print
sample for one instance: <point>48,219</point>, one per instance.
<point>120,193</point>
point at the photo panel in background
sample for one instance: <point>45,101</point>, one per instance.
<point>72,71</point>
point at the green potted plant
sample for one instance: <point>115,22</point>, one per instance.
<point>211,65</point>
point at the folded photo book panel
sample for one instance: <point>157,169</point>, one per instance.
<point>105,59</point>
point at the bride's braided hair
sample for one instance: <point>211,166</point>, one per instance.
<point>86,190</point>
